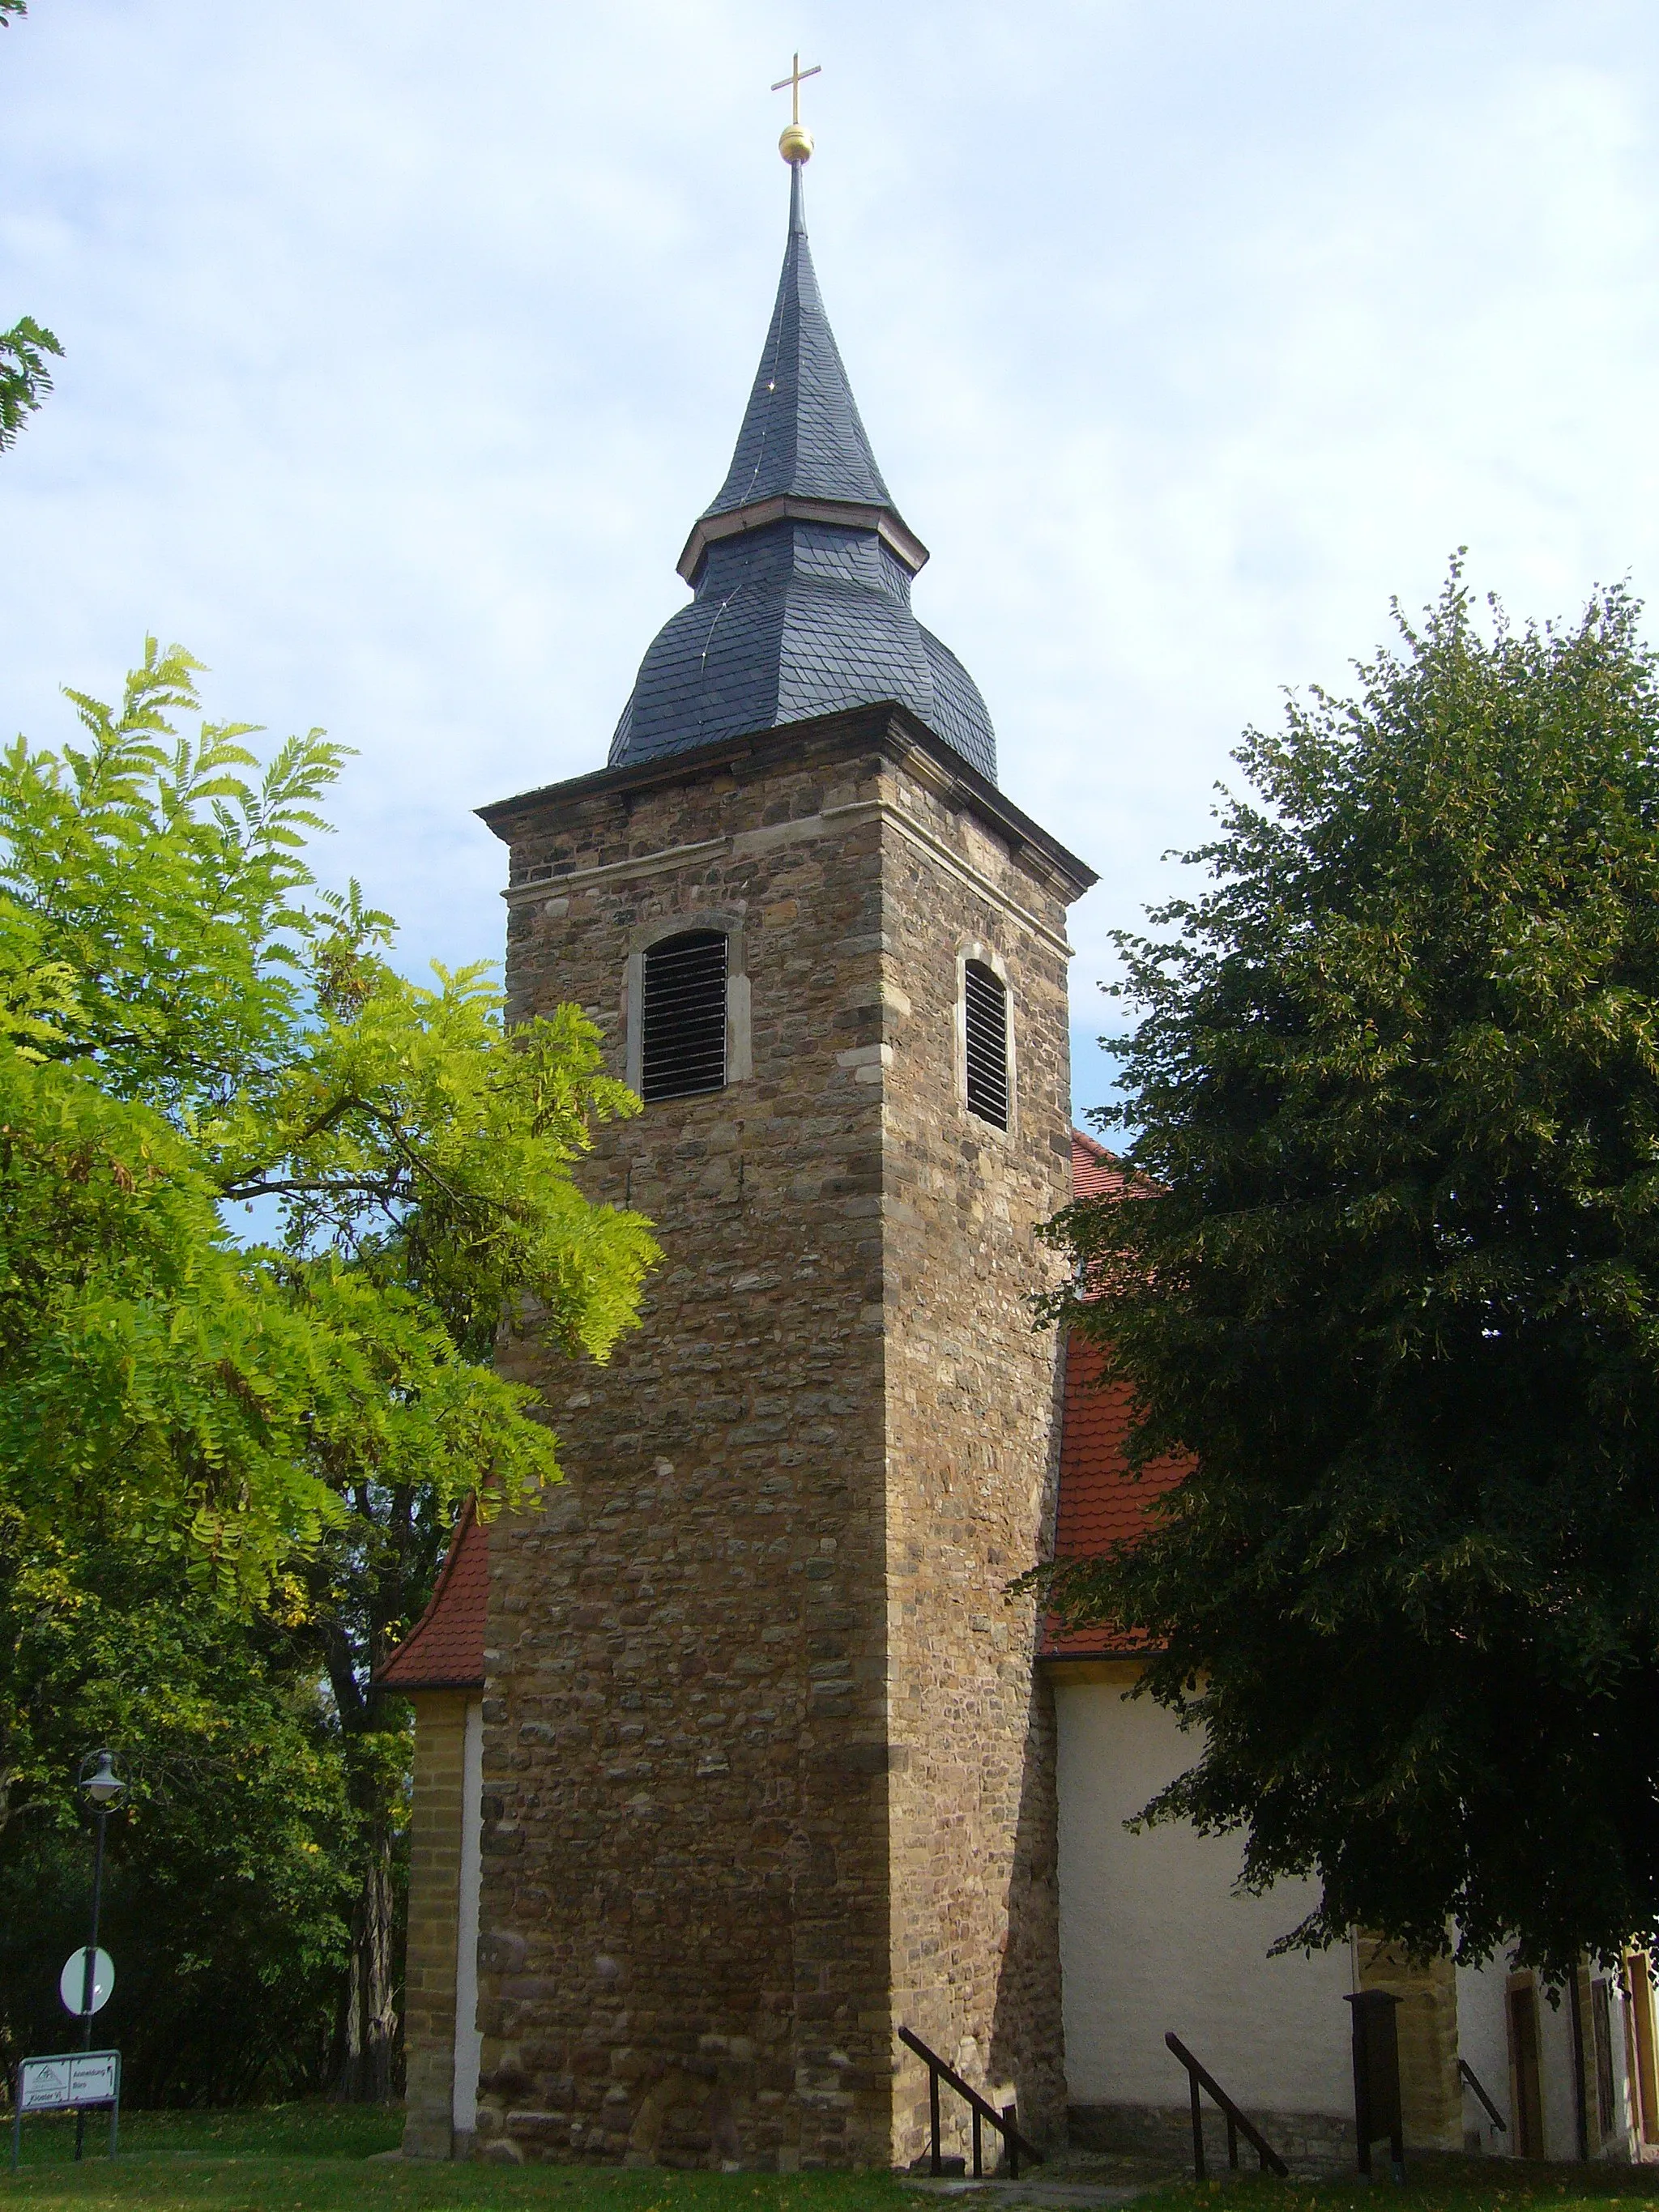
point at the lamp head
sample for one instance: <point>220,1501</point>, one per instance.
<point>100,1780</point>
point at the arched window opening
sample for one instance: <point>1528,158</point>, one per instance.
<point>683,1016</point>
<point>987,1010</point>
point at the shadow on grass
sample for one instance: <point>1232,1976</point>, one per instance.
<point>321,2158</point>
<point>312,2130</point>
<point>1461,2184</point>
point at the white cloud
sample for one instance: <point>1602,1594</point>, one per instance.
<point>403,342</point>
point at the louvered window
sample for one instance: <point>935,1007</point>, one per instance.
<point>987,1044</point>
<point>682,1021</point>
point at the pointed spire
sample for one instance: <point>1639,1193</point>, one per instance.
<point>801,433</point>
<point>800,569</point>
<point>802,440</point>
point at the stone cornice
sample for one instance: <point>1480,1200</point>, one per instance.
<point>900,539</point>
<point>889,726</point>
<point>742,843</point>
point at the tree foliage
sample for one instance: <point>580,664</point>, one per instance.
<point>25,373</point>
<point>234,1859</point>
<point>274,1432</point>
<point>1392,1274</point>
<point>188,1033</point>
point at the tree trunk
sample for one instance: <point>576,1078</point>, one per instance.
<point>353,1642</point>
<point>367,2025</point>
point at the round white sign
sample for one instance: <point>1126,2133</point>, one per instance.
<point>72,1981</point>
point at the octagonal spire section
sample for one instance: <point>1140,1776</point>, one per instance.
<point>801,432</point>
<point>801,568</point>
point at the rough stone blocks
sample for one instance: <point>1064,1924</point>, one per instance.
<point>767,1770</point>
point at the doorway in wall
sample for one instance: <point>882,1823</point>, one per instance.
<point>1607,2115</point>
<point>1526,2100</point>
<point>1639,2045</point>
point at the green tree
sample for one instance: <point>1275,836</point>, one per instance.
<point>1391,1274</point>
<point>233,1857</point>
<point>188,1033</point>
<point>193,1027</point>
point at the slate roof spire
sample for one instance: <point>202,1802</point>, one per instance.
<point>802,437</point>
<point>801,564</point>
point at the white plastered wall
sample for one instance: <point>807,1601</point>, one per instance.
<point>1483,2039</point>
<point>1152,1938</point>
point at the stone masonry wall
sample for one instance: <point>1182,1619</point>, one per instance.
<point>435,1875</point>
<point>973,1430</point>
<point>1431,2093</point>
<point>763,1756</point>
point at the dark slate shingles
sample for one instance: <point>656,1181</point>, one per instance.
<point>798,618</point>
<point>959,712</point>
<point>801,433</point>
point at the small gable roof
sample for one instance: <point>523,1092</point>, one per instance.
<point>1094,1169</point>
<point>1102,1502</point>
<point>445,1649</point>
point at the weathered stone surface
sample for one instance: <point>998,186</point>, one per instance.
<point>767,1770</point>
<point>1431,2091</point>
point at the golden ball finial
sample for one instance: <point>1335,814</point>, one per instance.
<point>796,143</point>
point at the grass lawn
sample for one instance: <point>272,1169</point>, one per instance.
<point>321,2157</point>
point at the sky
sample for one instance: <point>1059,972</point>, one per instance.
<point>404,342</point>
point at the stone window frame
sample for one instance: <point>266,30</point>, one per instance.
<point>974,948</point>
<point>739,1062</point>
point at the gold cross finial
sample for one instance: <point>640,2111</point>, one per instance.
<point>796,78</point>
<point>796,143</point>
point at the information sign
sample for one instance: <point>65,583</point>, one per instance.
<point>80,2077</point>
<point>69,2081</point>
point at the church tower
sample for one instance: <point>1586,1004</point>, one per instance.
<point>767,1770</point>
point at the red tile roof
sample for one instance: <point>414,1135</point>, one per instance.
<point>1094,1169</point>
<point>445,1649</point>
<point>1102,1503</point>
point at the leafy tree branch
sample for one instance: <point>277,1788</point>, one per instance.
<point>24,372</point>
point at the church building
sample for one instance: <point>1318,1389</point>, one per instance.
<point>734,1758</point>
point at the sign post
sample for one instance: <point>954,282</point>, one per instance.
<point>103,1781</point>
<point>72,2081</point>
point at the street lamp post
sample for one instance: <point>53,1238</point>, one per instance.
<point>102,1786</point>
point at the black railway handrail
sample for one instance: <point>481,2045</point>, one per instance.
<point>1015,2145</point>
<point>1200,2077</point>
<point>1466,2073</point>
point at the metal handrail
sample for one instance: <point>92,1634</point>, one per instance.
<point>1466,2073</point>
<point>1200,2077</point>
<point>1015,2145</point>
